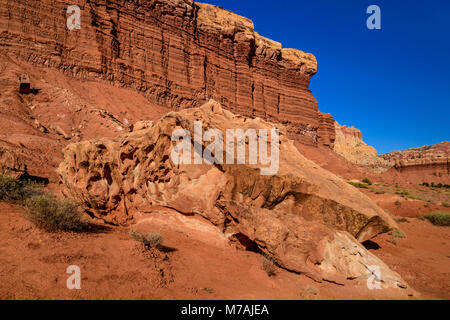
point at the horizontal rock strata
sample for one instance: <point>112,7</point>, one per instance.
<point>178,53</point>
<point>433,161</point>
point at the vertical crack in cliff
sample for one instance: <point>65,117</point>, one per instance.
<point>205,76</point>
<point>278,106</point>
<point>115,44</point>
<point>164,55</point>
<point>186,60</point>
<point>253,100</point>
<point>251,53</point>
<point>263,101</point>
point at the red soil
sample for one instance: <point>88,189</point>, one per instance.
<point>113,266</point>
<point>33,262</point>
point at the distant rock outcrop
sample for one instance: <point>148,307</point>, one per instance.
<point>178,53</point>
<point>307,219</point>
<point>349,144</point>
<point>431,163</point>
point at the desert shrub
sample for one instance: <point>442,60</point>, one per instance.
<point>307,292</point>
<point>397,233</point>
<point>359,185</point>
<point>150,239</point>
<point>438,186</point>
<point>53,214</point>
<point>16,191</point>
<point>402,193</point>
<point>398,203</point>
<point>269,267</point>
<point>439,218</point>
<point>445,204</point>
<point>367,181</point>
<point>412,196</point>
<point>402,219</point>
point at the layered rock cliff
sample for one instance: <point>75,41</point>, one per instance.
<point>177,53</point>
<point>431,163</point>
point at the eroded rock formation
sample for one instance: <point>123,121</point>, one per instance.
<point>178,53</point>
<point>431,163</point>
<point>305,218</point>
<point>350,145</point>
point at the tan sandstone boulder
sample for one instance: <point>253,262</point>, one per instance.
<point>304,217</point>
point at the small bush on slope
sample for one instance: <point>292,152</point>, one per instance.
<point>269,267</point>
<point>16,191</point>
<point>43,209</point>
<point>439,218</point>
<point>359,185</point>
<point>397,233</point>
<point>150,239</point>
<point>53,214</point>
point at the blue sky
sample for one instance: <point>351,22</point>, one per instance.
<point>393,83</point>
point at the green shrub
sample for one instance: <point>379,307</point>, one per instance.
<point>445,204</point>
<point>402,219</point>
<point>150,239</point>
<point>16,191</point>
<point>439,185</point>
<point>367,181</point>
<point>412,196</point>
<point>209,290</point>
<point>359,185</point>
<point>402,193</point>
<point>397,233</point>
<point>307,292</point>
<point>439,218</point>
<point>53,214</point>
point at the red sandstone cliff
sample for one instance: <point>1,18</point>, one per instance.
<point>177,53</point>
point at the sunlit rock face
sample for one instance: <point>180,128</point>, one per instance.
<point>178,53</point>
<point>303,216</point>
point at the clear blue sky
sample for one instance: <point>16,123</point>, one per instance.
<point>393,83</point>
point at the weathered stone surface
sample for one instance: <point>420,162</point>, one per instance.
<point>292,216</point>
<point>11,163</point>
<point>432,163</point>
<point>326,133</point>
<point>177,53</point>
<point>350,145</point>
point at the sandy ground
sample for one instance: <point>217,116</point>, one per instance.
<point>33,265</point>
